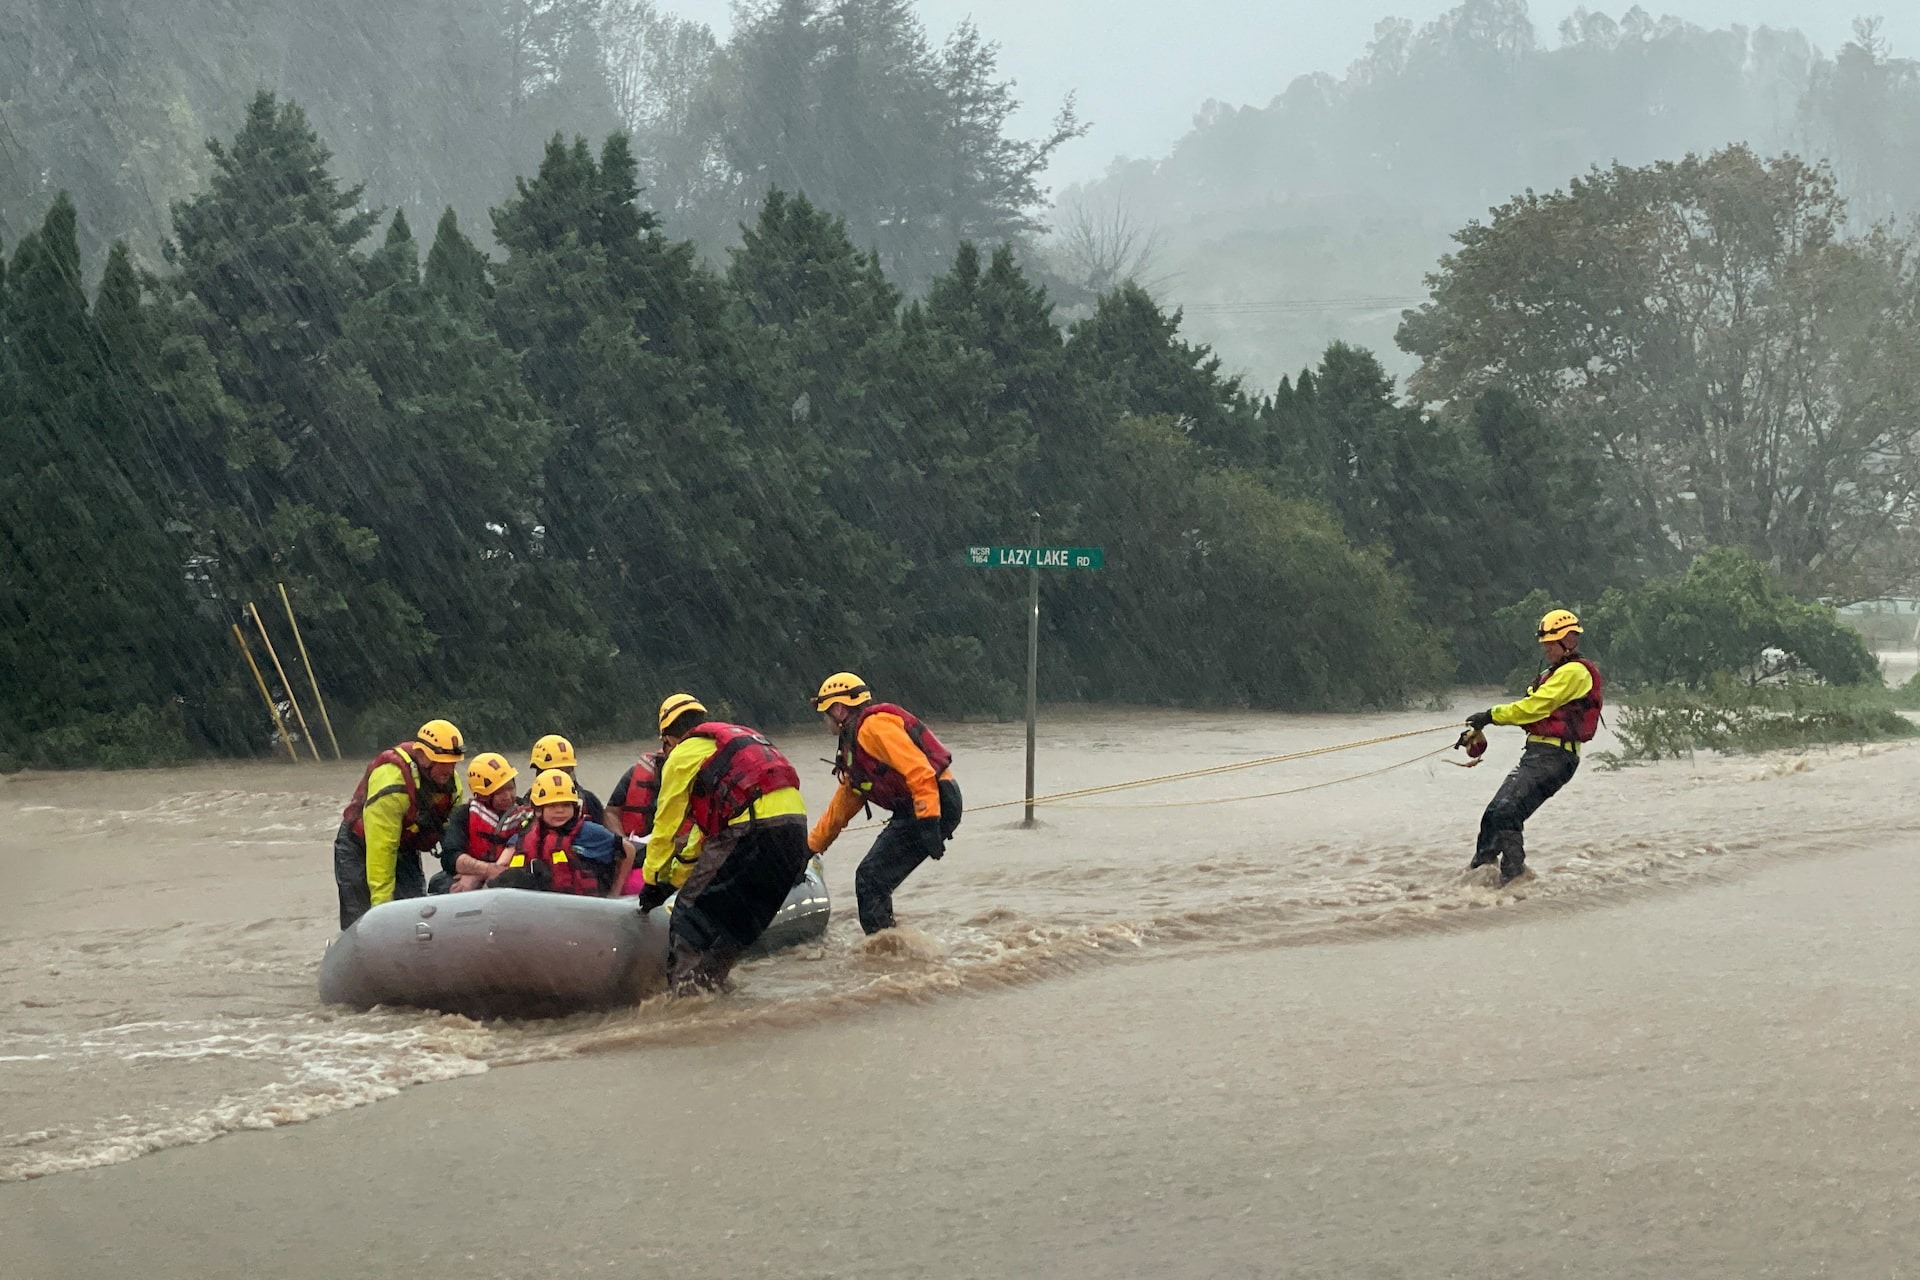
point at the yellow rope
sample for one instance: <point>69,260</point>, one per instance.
<point>1267,795</point>
<point>1186,775</point>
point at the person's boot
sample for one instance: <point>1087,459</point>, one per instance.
<point>1513,865</point>
<point>692,971</point>
<point>1481,857</point>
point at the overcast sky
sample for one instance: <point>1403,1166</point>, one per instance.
<point>1142,67</point>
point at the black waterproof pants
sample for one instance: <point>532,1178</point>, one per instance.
<point>1544,768</point>
<point>736,888</point>
<point>350,876</point>
<point>895,856</point>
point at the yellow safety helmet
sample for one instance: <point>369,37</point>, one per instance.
<point>553,752</point>
<point>442,742</point>
<point>678,705</point>
<point>1558,624</point>
<point>842,689</point>
<point>489,772</point>
<point>555,786</point>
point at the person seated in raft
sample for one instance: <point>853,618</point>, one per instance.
<point>630,811</point>
<point>560,851</point>
<point>555,752</point>
<point>480,829</point>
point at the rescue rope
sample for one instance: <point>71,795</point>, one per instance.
<point>1058,797</point>
<point>1267,795</point>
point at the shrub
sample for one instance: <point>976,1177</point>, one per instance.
<point>1726,617</point>
<point>1732,717</point>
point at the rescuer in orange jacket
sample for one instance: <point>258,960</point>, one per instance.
<point>888,758</point>
<point>398,812</point>
<point>1560,713</point>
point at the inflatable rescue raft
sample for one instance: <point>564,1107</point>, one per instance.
<point>517,953</point>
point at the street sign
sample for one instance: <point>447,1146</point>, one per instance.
<point>1033,560</point>
<point>1037,557</point>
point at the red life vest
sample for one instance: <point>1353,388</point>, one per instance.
<point>1576,721</point>
<point>552,847</point>
<point>426,816</point>
<point>743,768</point>
<point>643,794</point>
<point>490,833</point>
<point>877,781</point>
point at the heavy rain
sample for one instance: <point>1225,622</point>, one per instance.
<point>847,638</point>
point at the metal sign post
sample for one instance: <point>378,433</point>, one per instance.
<point>1033,560</point>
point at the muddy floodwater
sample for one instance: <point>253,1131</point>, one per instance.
<point>1150,1022</point>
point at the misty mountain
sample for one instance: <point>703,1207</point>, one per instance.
<point>1315,218</point>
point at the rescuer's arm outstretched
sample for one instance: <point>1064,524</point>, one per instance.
<point>841,809</point>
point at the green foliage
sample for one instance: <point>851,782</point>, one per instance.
<point>1727,619</point>
<point>537,493</point>
<point>1181,538</point>
<point>1727,615</point>
<point>133,738</point>
<point>1730,716</point>
<point>1744,366</point>
<point>848,102</point>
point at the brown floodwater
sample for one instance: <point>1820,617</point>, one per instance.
<point>161,929</point>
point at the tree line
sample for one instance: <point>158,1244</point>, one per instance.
<point>439,105</point>
<point>544,488</point>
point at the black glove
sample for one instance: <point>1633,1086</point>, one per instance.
<point>932,841</point>
<point>1480,719</point>
<point>653,895</point>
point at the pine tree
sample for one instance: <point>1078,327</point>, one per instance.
<point>95,585</point>
<point>456,271</point>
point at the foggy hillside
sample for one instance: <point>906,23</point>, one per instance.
<point>1314,218</point>
<point>1278,228</point>
<point>445,103</point>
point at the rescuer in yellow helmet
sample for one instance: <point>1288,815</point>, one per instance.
<point>886,757</point>
<point>556,752</point>
<point>743,797</point>
<point>481,827</point>
<point>560,850</point>
<point>397,813</point>
<point>1560,713</point>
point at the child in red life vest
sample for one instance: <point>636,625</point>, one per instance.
<point>480,829</point>
<point>560,851</point>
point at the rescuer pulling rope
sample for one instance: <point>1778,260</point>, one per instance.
<point>1560,712</point>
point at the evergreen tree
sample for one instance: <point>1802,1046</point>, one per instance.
<point>102,644</point>
<point>456,271</point>
<point>265,255</point>
<point>1131,351</point>
<point>678,485</point>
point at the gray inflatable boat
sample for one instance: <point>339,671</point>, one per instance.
<point>516,953</point>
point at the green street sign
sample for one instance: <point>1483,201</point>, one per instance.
<point>1037,557</point>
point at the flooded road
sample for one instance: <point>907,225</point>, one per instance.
<point>162,928</point>
<point>1109,999</point>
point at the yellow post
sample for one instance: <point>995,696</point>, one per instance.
<point>285,683</point>
<point>266,697</point>
<point>319,701</point>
